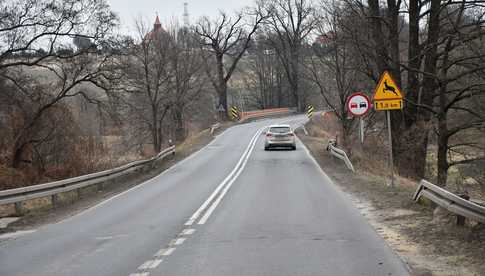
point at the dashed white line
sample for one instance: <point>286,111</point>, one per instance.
<point>151,264</point>
<point>187,232</point>
<point>179,241</point>
<point>165,252</point>
<point>140,274</point>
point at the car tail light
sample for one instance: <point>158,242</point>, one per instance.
<point>268,134</point>
<point>290,134</point>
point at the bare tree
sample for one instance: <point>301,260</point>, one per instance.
<point>265,76</point>
<point>22,32</point>
<point>460,87</point>
<point>333,67</point>
<point>144,92</point>
<point>188,78</point>
<point>226,39</point>
<point>42,27</point>
<point>292,21</point>
<point>39,97</point>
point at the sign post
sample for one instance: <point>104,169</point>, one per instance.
<point>221,110</point>
<point>388,96</point>
<point>361,130</point>
<point>391,157</point>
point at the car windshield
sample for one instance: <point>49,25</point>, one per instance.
<point>279,130</point>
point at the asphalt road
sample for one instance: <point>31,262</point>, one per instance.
<point>230,209</point>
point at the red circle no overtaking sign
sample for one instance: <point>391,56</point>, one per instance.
<point>358,104</point>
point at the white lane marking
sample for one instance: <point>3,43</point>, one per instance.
<point>17,234</point>
<point>187,231</point>
<point>165,252</point>
<point>169,251</point>
<point>145,265</point>
<point>151,264</point>
<point>214,205</point>
<point>197,213</point>
<point>149,180</point>
<point>186,159</point>
<point>111,237</point>
<point>179,241</point>
<point>140,274</point>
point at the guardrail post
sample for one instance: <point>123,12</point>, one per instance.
<point>19,208</point>
<point>55,200</point>
<point>460,220</point>
<point>100,187</point>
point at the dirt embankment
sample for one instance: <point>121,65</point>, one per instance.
<point>40,211</point>
<point>428,241</point>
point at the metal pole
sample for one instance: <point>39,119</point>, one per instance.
<point>391,161</point>
<point>361,130</point>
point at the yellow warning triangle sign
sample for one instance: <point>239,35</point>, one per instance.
<point>387,89</point>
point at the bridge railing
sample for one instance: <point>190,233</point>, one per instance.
<point>246,115</point>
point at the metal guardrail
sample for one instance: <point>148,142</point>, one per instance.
<point>450,201</point>
<point>53,188</point>
<point>214,127</point>
<point>340,154</point>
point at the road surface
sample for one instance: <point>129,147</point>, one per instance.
<point>230,209</point>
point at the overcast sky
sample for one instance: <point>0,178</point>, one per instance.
<point>128,10</point>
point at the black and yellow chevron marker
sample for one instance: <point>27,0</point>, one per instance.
<point>309,111</point>
<point>234,113</point>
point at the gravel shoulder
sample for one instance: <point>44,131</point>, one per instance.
<point>428,241</point>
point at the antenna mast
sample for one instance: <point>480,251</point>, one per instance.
<point>186,14</point>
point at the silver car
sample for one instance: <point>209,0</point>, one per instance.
<point>280,136</point>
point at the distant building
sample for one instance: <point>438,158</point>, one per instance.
<point>325,39</point>
<point>157,33</point>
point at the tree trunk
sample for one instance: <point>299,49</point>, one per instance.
<point>378,36</point>
<point>411,159</point>
<point>294,87</point>
<point>180,133</point>
<point>155,129</point>
<point>442,151</point>
<point>414,64</point>
<point>222,86</point>
<point>17,156</point>
<point>431,58</point>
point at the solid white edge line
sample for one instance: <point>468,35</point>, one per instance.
<point>214,205</point>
